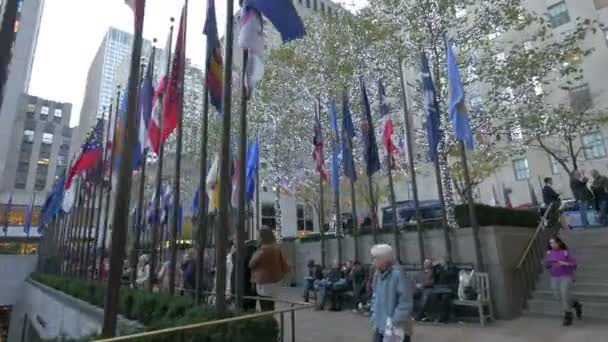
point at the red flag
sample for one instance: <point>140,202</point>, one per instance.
<point>90,154</point>
<point>174,88</point>
<point>388,124</point>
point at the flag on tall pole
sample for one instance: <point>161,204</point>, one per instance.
<point>28,216</point>
<point>253,158</point>
<point>146,95</point>
<point>317,153</point>
<point>215,64</point>
<point>348,133</point>
<point>335,153</point>
<point>372,158</point>
<point>385,117</point>
<point>433,132</point>
<point>154,128</point>
<point>457,107</point>
<point>90,153</point>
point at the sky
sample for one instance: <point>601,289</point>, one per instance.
<point>72,30</point>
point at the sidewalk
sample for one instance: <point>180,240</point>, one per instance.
<point>344,326</point>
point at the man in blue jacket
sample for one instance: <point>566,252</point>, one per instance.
<point>392,300</point>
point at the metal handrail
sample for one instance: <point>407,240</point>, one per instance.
<point>534,237</point>
<point>186,328</point>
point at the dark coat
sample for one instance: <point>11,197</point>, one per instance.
<point>580,190</point>
<point>549,195</point>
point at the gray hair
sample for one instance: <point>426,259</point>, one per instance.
<point>382,250</point>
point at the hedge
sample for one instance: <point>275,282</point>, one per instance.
<point>157,311</point>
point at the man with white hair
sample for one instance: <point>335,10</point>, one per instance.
<point>392,300</point>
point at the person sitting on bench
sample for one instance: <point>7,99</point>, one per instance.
<point>312,280</point>
<point>424,280</point>
<point>332,286</point>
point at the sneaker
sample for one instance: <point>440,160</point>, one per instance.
<point>578,309</point>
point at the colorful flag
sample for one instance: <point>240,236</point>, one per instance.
<point>283,16</point>
<point>335,152</point>
<point>317,153</point>
<point>90,153</point>
<point>174,86</point>
<point>348,133</point>
<point>457,107</point>
<point>215,67</point>
<point>146,94</point>
<point>433,132</point>
<point>157,111</point>
<point>253,160</point>
<point>212,183</point>
<point>369,137</point>
<point>387,122</point>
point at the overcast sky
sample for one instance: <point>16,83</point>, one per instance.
<point>72,30</point>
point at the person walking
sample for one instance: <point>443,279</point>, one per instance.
<point>269,267</point>
<point>551,197</point>
<point>582,194</point>
<point>562,267</point>
<point>599,186</point>
<point>393,298</point>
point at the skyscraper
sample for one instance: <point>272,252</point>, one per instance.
<point>100,91</point>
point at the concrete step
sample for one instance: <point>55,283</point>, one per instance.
<point>600,286</point>
<point>582,296</point>
<point>552,308</point>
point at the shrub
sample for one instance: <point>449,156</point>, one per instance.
<point>156,311</point>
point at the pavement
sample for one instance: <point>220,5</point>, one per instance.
<point>345,326</point>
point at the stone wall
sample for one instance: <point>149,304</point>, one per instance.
<point>501,249</point>
<point>14,270</point>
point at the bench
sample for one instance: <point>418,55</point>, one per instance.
<point>481,283</point>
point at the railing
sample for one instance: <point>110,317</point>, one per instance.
<point>529,266</point>
<point>231,333</point>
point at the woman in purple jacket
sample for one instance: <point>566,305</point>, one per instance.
<point>562,267</point>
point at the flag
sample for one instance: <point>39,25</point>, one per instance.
<point>28,216</point>
<point>215,67</point>
<point>387,121</point>
<point>283,16</point>
<point>317,153</point>
<point>335,153</point>
<point>433,132</point>
<point>212,183</point>
<point>90,153</point>
<point>348,133</point>
<point>253,158</point>
<point>53,204</point>
<point>146,94</point>
<point>533,197</point>
<point>369,137</point>
<point>457,108</point>
<point>166,203</point>
<point>68,199</point>
<point>157,110</point>
<point>174,86</point>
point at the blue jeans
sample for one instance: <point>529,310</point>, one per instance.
<point>603,207</point>
<point>309,284</point>
<point>582,209</point>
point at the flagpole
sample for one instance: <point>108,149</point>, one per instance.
<point>104,138</point>
<point>337,196</point>
<point>410,157</point>
<point>321,209</point>
<point>142,183</point>
<point>79,227</point>
<point>83,232</point>
<point>109,189</point>
<point>471,204</point>
<point>121,209</point>
<point>89,226</point>
<point>223,221</point>
<point>178,157</point>
<point>202,202</point>
<point>156,224</point>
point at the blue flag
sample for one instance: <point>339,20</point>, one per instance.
<point>433,132</point>
<point>180,220</point>
<point>348,133</point>
<point>253,159</point>
<point>146,94</point>
<point>372,158</point>
<point>457,108</point>
<point>283,16</point>
<point>335,153</point>
<point>28,217</point>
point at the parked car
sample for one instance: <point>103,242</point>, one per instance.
<point>406,212</point>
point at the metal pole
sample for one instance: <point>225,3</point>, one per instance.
<point>156,224</point>
<point>240,226</point>
<point>396,242</point>
<point>178,157</point>
<point>223,222</point>
<point>372,208</point>
<point>109,190</point>
<point>121,209</point>
<point>472,214</point>
<point>321,204</point>
<point>91,217</point>
<point>202,198</point>
<point>410,160</point>
<point>355,220</point>
<point>79,229</point>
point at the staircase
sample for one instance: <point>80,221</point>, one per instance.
<point>590,248</point>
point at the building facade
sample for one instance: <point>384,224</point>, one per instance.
<point>20,69</point>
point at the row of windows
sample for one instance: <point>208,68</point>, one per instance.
<point>593,148</point>
<point>316,5</point>
<point>559,14</point>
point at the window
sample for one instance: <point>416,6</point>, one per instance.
<point>57,114</point>
<point>29,125</point>
<point>31,107</point>
<point>269,215</point>
<point>45,151</point>
<point>322,7</point>
<point>580,98</point>
<point>599,4</point>
<point>305,217</point>
<point>23,167</point>
<point>47,138</point>
<point>314,5</point>
<point>28,136</point>
<point>521,169</point>
<point>555,166</point>
<point>66,132</point>
<point>558,14</point>
<point>41,173</point>
<point>44,110</point>
<point>64,149</point>
<point>593,145</point>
